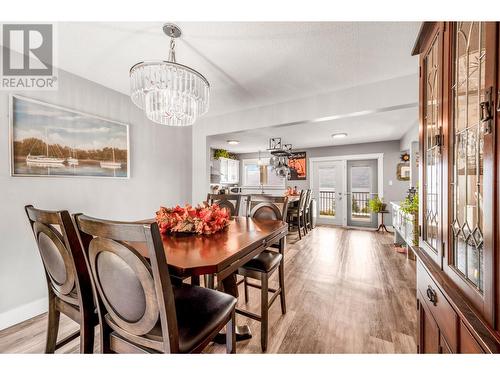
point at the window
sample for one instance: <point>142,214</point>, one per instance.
<point>252,174</point>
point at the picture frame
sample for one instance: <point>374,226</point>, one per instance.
<point>297,163</point>
<point>403,172</point>
<point>48,140</point>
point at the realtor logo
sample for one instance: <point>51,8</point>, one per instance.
<point>28,57</point>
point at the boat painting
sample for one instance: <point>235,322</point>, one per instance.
<point>48,140</point>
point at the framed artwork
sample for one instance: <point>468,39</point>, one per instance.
<point>52,141</point>
<point>403,172</point>
<point>275,144</point>
<point>297,164</point>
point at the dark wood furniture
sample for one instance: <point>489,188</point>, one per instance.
<point>221,254</point>
<point>262,266</point>
<point>140,311</point>
<point>68,280</point>
<point>296,217</point>
<point>382,227</point>
<point>458,286</point>
<point>230,201</point>
<point>307,212</point>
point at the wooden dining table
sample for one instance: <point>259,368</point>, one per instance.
<point>221,254</point>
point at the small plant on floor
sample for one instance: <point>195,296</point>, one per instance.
<point>376,205</point>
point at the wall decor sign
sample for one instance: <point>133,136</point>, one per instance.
<point>48,140</point>
<point>297,164</point>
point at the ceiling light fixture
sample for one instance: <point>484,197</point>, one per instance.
<point>233,142</point>
<point>169,93</point>
<point>339,135</point>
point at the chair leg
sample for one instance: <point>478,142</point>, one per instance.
<point>87,331</point>
<point>105,342</point>
<point>281,276</point>
<point>209,281</point>
<point>304,221</point>
<point>231,334</point>
<point>195,280</point>
<point>245,284</point>
<point>52,324</point>
<point>298,227</point>
<point>264,314</point>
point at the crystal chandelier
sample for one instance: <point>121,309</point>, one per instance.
<point>168,92</point>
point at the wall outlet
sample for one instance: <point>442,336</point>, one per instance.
<point>390,182</point>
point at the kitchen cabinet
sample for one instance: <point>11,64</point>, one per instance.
<point>229,170</point>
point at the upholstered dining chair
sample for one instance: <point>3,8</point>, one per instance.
<point>140,311</point>
<point>262,266</point>
<point>307,211</point>
<point>296,215</point>
<point>230,201</point>
<point>68,280</point>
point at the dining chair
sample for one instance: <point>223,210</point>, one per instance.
<point>68,279</point>
<point>296,217</point>
<point>230,201</point>
<point>262,266</point>
<point>307,211</point>
<point>140,311</point>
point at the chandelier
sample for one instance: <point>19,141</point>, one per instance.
<point>169,93</point>
<point>279,159</point>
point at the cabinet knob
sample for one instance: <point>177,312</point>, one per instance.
<point>431,295</point>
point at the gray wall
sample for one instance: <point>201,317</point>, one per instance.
<point>161,159</point>
<point>390,149</point>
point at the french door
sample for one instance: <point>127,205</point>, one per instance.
<point>328,189</point>
<point>362,181</point>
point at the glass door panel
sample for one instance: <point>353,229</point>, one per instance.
<point>361,187</point>
<point>328,191</point>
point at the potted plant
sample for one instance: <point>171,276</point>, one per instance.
<point>410,207</point>
<point>376,205</point>
<point>221,153</point>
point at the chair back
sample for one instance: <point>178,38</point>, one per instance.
<point>308,200</point>
<point>270,209</point>
<point>62,256</point>
<point>302,200</point>
<point>230,201</point>
<point>134,292</point>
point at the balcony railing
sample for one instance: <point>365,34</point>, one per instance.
<point>359,204</point>
<point>327,200</point>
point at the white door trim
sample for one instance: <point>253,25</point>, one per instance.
<point>345,158</point>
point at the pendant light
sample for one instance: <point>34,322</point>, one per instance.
<point>169,93</point>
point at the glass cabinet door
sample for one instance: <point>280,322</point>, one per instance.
<point>468,91</point>
<point>471,164</point>
<point>431,83</point>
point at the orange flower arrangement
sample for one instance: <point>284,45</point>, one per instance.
<point>203,219</point>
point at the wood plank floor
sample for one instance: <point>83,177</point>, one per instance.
<point>348,291</point>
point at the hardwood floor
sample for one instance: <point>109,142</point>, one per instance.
<point>348,291</point>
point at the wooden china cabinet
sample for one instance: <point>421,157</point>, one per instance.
<point>458,261</point>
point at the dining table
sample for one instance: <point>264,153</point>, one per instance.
<point>219,255</point>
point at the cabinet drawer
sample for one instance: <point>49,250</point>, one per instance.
<point>439,307</point>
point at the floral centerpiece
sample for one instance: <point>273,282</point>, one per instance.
<point>202,219</point>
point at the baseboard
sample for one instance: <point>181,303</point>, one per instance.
<point>22,313</point>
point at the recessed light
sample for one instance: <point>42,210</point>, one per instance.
<point>339,135</point>
<point>233,141</point>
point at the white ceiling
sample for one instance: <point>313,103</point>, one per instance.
<point>375,127</point>
<point>258,63</point>
<point>247,64</point>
